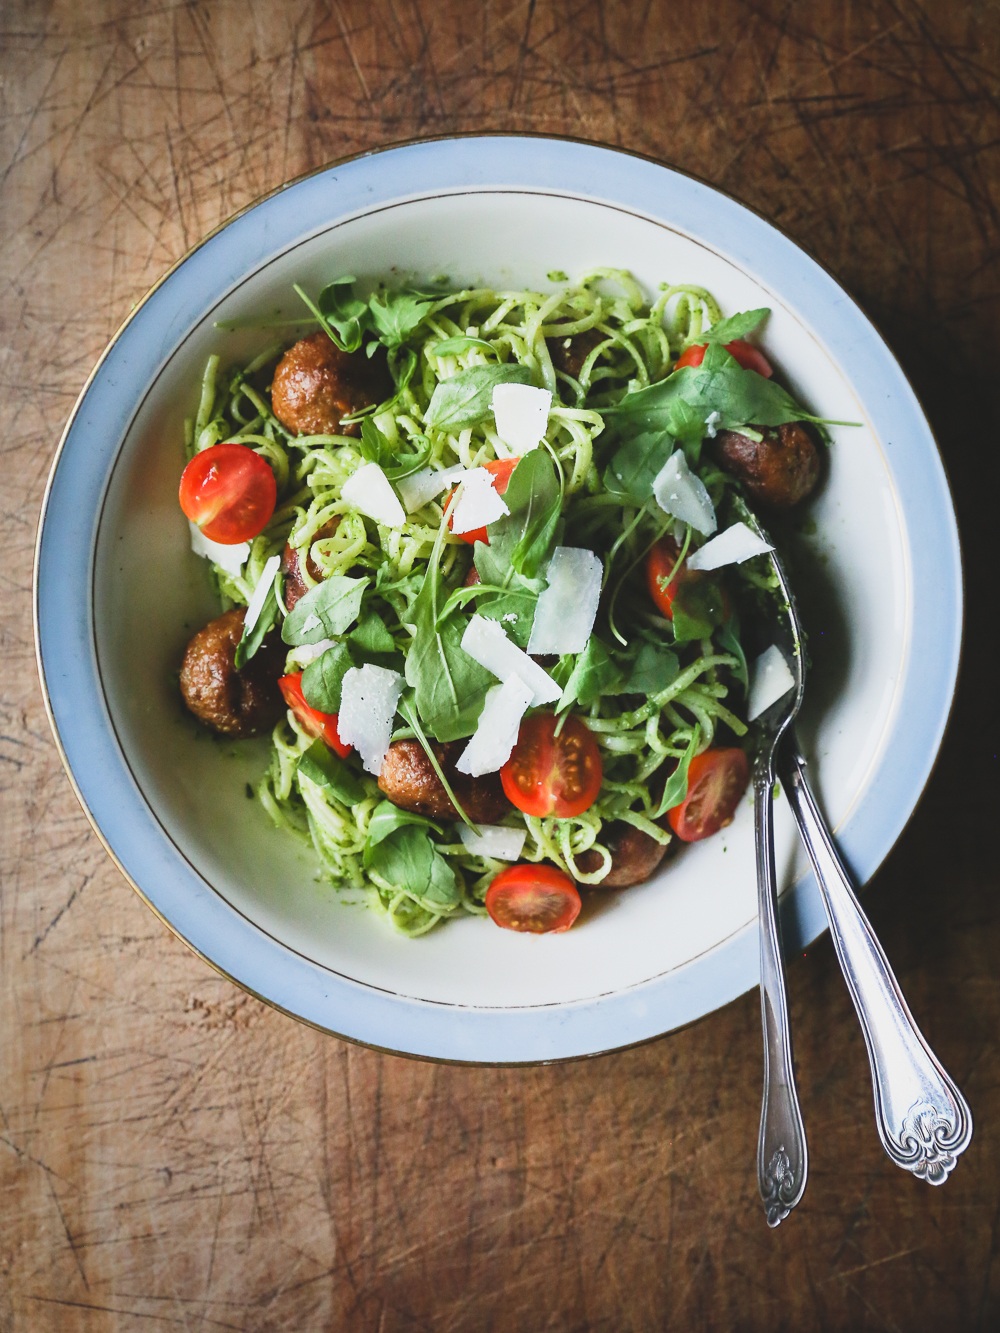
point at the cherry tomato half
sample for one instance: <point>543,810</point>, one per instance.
<point>321,725</point>
<point>540,899</point>
<point>548,774</point>
<point>659,569</point>
<point>749,357</point>
<point>230,492</point>
<point>717,780</point>
<point>501,469</point>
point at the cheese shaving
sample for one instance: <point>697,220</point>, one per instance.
<point>485,641</point>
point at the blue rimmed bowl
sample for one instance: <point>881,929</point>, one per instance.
<point>118,593</point>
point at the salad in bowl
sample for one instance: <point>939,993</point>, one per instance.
<point>482,582</point>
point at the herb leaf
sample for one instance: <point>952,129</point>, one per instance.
<point>523,539</point>
<point>339,312</point>
<point>677,784</point>
<point>396,315</point>
<point>634,466</point>
<point>653,670</point>
<point>249,643</point>
<point>386,818</point>
<point>465,399</point>
<point>736,326</point>
<point>323,678</point>
<point>323,767</point>
<point>451,346</point>
<point>594,674</point>
<point>408,858</point>
<point>371,635</point>
<point>449,686</point>
<point>333,605</point>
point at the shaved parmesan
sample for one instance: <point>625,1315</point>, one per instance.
<point>521,413</point>
<point>770,680</point>
<point>478,503</point>
<point>567,608</point>
<point>229,558</point>
<point>370,492</point>
<point>368,700</point>
<point>422,487</point>
<point>712,424</point>
<point>681,494</point>
<point>497,728</point>
<point>493,840</point>
<point>486,643</point>
<point>256,604</point>
<point>731,547</point>
<point>308,652</point>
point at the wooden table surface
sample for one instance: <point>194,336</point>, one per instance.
<point>172,1152</point>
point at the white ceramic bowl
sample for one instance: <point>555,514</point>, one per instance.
<point>118,594</point>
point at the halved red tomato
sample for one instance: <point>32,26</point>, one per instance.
<point>661,577</point>
<point>501,469</point>
<point>535,898</point>
<point>717,780</point>
<point>549,774</point>
<point>230,492</point>
<point>749,357</point>
<point>311,720</point>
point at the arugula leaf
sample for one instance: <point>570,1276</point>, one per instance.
<point>376,447</point>
<point>634,466</point>
<point>409,859</point>
<point>465,399</point>
<point>371,635</point>
<point>698,608</point>
<point>736,326</point>
<point>680,404</point>
<point>396,315</point>
<point>594,674</point>
<point>334,604</point>
<point>323,678</point>
<point>449,686</point>
<point>338,312</point>
<point>322,766</point>
<point>521,605</point>
<point>523,539</point>
<point>653,670</point>
<point>727,636</point>
<point>386,818</point>
<point>249,643</point>
<point>677,784</point>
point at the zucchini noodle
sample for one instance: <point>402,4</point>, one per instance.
<point>628,344</point>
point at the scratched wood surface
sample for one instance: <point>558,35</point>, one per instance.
<point>173,1152</point>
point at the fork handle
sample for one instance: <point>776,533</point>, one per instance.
<point>782,1158</point>
<point>923,1120</point>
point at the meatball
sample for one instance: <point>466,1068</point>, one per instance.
<point>569,354</point>
<point>315,385</point>
<point>409,781</point>
<point>634,856</point>
<point>779,470</point>
<point>295,585</point>
<point>234,703</point>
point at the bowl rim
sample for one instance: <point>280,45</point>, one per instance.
<point>801,928</point>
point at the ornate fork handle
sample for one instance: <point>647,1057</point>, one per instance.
<point>923,1120</point>
<point>782,1158</point>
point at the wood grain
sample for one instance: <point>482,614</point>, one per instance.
<point>174,1153</point>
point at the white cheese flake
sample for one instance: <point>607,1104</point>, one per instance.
<point>521,413</point>
<point>732,547</point>
<point>478,502</point>
<point>486,643</point>
<point>368,700</point>
<point>494,841</point>
<point>567,609</point>
<point>711,424</point>
<point>308,652</point>
<point>230,558</point>
<point>496,731</point>
<point>770,680</point>
<point>256,603</point>
<point>681,494</point>
<point>370,492</point>
<point>423,486</point>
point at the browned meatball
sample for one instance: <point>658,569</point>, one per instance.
<point>316,384</point>
<point>409,781</point>
<point>634,856</point>
<point>569,359</point>
<point>295,585</point>
<point>235,703</point>
<point>779,470</point>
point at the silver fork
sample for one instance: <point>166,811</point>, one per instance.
<point>782,1155</point>
<point>923,1120</point>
